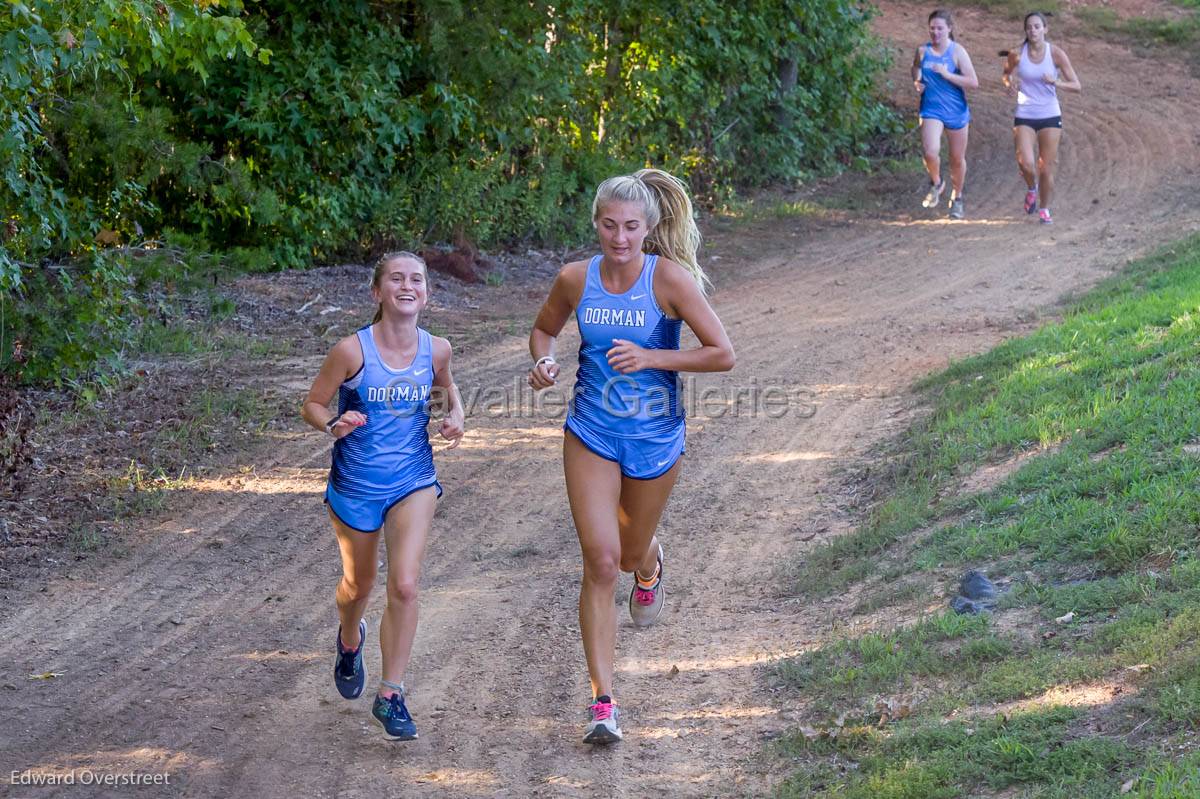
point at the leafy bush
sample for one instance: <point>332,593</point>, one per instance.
<point>285,132</point>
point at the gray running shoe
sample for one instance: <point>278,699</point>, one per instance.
<point>603,727</point>
<point>645,604</point>
<point>956,208</point>
<point>934,195</point>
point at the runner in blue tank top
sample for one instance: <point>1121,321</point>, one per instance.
<point>385,377</point>
<point>625,428</point>
<point>941,70</point>
<point>1033,74</point>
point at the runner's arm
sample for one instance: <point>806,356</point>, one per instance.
<point>968,79</point>
<point>446,396</point>
<point>680,297</point>
<point>1065,70</point>
<point>342,362</point>
<point>1009,79</point>
<point>564,295</point>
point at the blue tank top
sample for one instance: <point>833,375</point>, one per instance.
<point>392,449</point>
<point>637,405</point>
<point>942,99</point>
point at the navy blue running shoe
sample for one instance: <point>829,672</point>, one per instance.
<point>349,672</point>
<point>393,716</point>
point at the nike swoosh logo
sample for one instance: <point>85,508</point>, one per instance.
<point>664,463</point>
<point>637,296</point>
<point>419,372</point>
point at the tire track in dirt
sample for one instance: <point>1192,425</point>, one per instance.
<point>234,698</point>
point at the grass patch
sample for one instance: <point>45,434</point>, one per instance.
<point>185,337</point>
<point>141,491</point>
<point>1098,536</point>
<point>1012,9</point>
<point>213,414</point>
<point>1152,34</point>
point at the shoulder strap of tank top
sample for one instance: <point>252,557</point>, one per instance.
<point>647,280</point>
<point>367,342</point>
<point>592,279</point>
<point>424,348</point>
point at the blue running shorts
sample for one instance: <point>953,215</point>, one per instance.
<point>639,458</point>
<point>367,515</point>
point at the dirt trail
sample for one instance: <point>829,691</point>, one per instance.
<point>205,652</point>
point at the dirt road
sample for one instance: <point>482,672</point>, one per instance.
<point>205,653</point>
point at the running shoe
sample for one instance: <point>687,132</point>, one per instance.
<point>349,672</point>
<point>956,208</point>
<point>602,729</point>
<point>646,603</point>
<point>935,194</point>
<point>1031,200</point>
<point>1044,216</point>
<point>392,714</point>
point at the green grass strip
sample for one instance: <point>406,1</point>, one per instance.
<point>1100,521</point>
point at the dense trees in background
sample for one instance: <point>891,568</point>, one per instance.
<point>145,140</point>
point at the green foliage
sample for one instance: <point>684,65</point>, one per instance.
<point>280,133</point>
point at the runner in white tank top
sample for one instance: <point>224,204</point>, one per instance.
<point>1034,73</point>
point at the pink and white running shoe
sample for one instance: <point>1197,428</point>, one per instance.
<point>603,727</point>
<point>646,600</point>
<point>1031,200</point>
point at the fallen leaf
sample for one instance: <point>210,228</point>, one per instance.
<point>46,675</point>
<point>1127,786</point>
<point>1066,618</point>
<point>673,672</point>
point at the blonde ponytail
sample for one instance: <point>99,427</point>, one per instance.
<point>676,235</point>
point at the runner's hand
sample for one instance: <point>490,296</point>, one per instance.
<point>627,357</point>
<point>544,375</point>
<point>920,86</point>
<point>347,423</point>
<point>452,428</point>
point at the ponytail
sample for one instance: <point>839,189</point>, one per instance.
<point>676,235</point>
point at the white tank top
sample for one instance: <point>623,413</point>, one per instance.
<point>1037,99</point>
